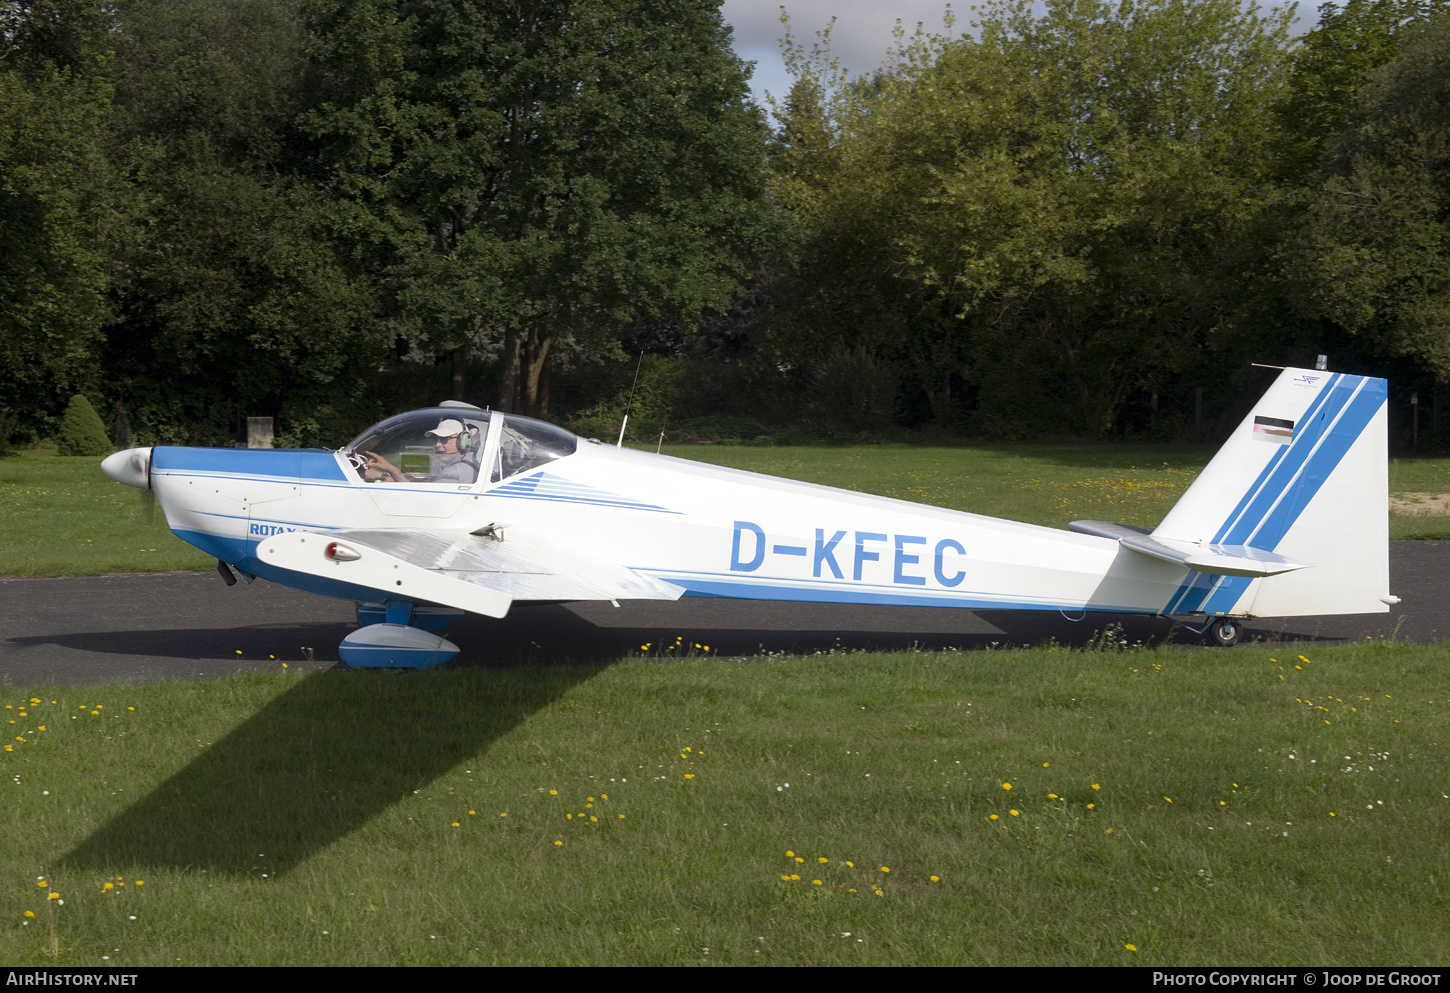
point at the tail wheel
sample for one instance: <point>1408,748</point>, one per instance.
<point>1225,632</point>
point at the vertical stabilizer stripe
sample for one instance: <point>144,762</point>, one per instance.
<point>1281,470</point>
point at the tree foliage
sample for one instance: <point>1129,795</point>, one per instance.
<point>531,177</point>
<point>1332,62</point>
<point>56,192</point>
<point>1051,206</point>
<point>211,209</point>
<point>235,301</point>
<point>81,431</point>
<point>1374,253</point>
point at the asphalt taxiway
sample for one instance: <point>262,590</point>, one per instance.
<point>138,628</point>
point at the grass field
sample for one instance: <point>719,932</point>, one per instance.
<point>60,517</point>
<point>1025,807</point>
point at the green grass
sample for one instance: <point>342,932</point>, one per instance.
<point>62,517</point>
<point>1040,484</point>
<point>1048,485</point>
<point>1419,475</point>
<point>1247,807</point>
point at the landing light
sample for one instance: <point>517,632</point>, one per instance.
<point>340,552</point>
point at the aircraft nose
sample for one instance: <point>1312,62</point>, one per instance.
<point>132,467</point>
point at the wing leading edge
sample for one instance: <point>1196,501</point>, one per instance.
<point>478,573</point>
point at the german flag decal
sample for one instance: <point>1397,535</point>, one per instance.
<point>1274,429</point>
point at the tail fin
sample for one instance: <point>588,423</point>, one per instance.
<point>1305,476</point>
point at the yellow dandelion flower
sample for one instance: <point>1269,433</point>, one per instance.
<point>1014,813</point>
<point>823,860</point>
<point>456,824</point>
<point>795,877</point>
<point>1006,786</point>
<point>815,882</point>
<point>558,843</point>
<point>1091,806</point>
<point>1131,948</point>
<point>1097,786</point>
<point>140,882</point>
<point>885,869</point>
<point>790,855</point>
<point>30,913</point>
<point>992,818</point>
<point>689,775</point>
<point>1052,796</point>
<point>936,879</point>
<point>851,865</point>
<point>553,793</point>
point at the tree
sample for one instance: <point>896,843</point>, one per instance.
<point>81,431</point>
<point>233,300</point>
<point>1332,62</point>
<point>1054,207</point>
<point>55,199</point>
<point>1374,253</point>
<point>532,177</point>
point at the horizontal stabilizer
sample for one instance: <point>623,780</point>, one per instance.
<point>1215,560</point>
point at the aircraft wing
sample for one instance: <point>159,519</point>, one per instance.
<point>1216,560</point>
<point>480,573</point>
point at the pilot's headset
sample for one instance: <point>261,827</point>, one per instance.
<point>468,439</point>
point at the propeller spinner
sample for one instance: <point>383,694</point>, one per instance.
<point>132,467</point>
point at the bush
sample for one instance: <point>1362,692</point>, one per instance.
<point>81,430</point>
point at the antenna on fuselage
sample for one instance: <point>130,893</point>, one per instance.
<point>630,402</point>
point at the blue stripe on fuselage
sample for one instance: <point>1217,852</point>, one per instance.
<point>286,463</point>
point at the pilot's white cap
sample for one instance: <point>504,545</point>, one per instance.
<point>446,428</point>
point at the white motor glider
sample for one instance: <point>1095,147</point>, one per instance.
<point>436,512</point>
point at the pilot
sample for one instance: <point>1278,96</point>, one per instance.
<point>452,444</point>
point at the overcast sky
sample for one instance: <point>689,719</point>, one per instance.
<point>861,37</point>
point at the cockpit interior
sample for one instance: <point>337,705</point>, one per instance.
<point>496,445</point>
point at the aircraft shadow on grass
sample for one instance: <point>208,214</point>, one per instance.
<point>315,764</point>
<point>339,749</point>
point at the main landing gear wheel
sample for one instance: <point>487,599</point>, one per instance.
<point>1225,632</point>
